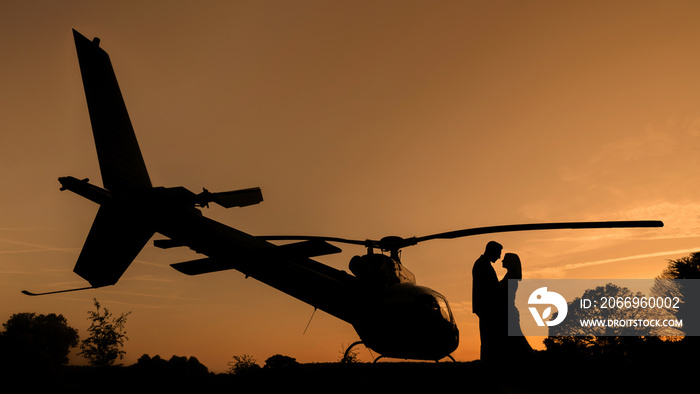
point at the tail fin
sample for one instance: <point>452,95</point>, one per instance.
<point>121,163</point>
<point>118,233</point>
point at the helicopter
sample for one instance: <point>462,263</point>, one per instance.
<point>380,298</point>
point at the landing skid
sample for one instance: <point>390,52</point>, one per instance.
<point>347,353</point>
<point>346,356</point>
<point>437,361</point>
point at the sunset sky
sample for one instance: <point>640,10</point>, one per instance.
<point>358,119</point>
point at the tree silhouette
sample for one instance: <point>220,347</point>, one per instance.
<point>683,271</point>
<point>279,361</point>
<point>38,340</point>
<point>673,282</point>
<point>180,366</point>
<point>106,337</point>
<point>242,365</point>
<point>572,341</point>
<point>572,327</point>
<point>683,268</point>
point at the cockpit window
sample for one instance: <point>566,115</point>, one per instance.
<point>444,308</point>
<point>405,276</point>
<point>438,305</point>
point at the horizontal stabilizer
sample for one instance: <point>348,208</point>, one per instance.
<point>311,248</point>
<point>114,241</point>
<point>201,266</point>
<point>297,250</point>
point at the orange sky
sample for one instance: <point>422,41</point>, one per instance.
<point>357,120</point>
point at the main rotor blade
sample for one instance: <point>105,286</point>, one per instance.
<point>539,226</point>
<point>395,243</point>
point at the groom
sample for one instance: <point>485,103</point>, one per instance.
<point>484,301</point>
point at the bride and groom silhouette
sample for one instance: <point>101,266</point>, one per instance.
<point>493,301</point>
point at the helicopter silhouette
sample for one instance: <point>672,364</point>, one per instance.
<point>380,298</point>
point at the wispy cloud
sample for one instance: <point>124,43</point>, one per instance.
<point>144,262</point>
<point>643,175</point>
<point>148,278</point>
<point>35,247</point>
<point>638,148</point>
<point>38,248</point>
<point>156,296</point>
<point>665,148</point>
<point>560,270</point>
<point>461,307</point>
<point>20,251</point>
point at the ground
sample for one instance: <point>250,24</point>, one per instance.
<point>540,376</point>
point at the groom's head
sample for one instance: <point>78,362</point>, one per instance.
<point>493,251</point>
